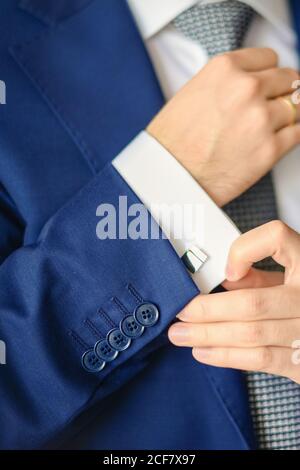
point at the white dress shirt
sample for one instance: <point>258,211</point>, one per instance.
<point>157,178</point>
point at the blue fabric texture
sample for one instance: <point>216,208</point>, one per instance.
<point>80,86</point>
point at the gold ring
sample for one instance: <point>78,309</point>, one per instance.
<point>288,100</point>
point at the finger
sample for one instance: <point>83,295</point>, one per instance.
<point>256,278</point>
<point>255,59</point>
<point>273,239</point>
<point>282,114</point>
<point>277,81</point>
<point>272,360</point>
<point>245,304</point>
<point>235,334</point>
<point>286,139</point>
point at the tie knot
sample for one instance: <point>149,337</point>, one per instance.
<point>219,27</point>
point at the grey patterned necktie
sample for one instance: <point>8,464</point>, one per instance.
<point>274,401</point>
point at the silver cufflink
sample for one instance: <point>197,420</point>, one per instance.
<point>194,259</point>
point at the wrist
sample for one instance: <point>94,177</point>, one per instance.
<point>205,177</point>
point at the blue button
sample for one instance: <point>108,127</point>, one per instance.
<point>146,314</point>
<point>104,351</point>
<point>91,362</point>
<point>130,327</point>
<point>118,340</point>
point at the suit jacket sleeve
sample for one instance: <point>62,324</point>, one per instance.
<point>62,295</point>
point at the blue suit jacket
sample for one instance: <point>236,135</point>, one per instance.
<point>80,86</point>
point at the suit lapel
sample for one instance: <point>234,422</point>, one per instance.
<point>93,71</point>
<point>52,12</point>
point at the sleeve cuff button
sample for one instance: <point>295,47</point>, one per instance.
<point>146,314</point>
<point>91,363</point>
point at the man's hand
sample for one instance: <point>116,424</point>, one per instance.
<point>227,126</point>
<point>256,325</point>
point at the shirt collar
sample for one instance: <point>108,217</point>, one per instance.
<point>152,16</point>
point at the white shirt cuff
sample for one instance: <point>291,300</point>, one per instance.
<point>184,211</point>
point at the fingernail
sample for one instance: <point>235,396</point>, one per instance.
<point>230,274</point>
<point>182,315</point>
<point>202,353</point>
<point>178,334</point>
